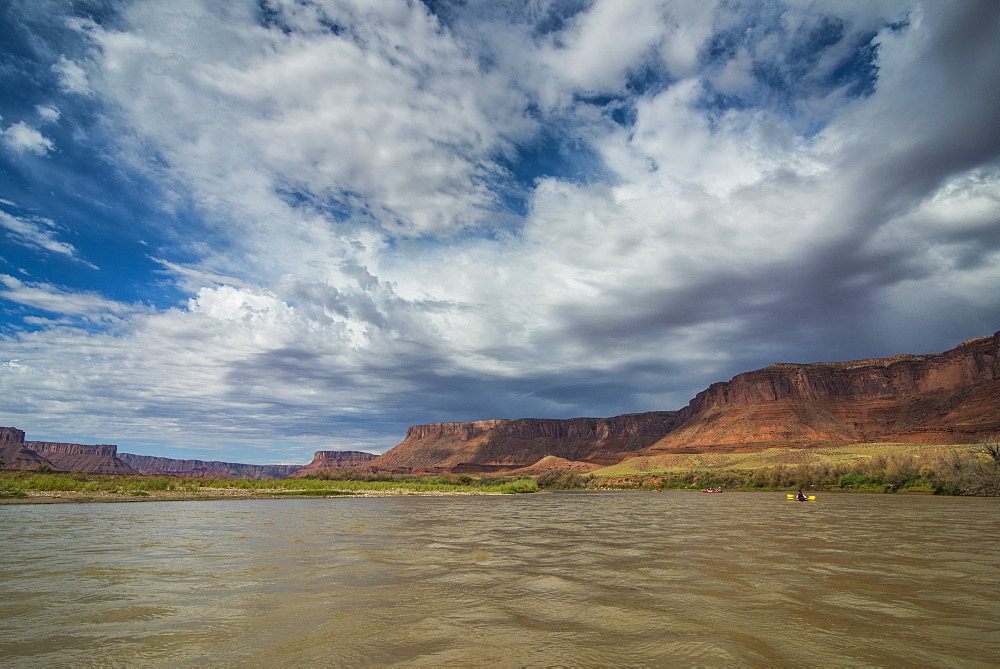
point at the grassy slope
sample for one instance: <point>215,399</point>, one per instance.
<point>680,463</point>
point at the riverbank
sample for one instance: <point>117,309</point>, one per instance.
<point>65,487</point>
<point>204,495</point>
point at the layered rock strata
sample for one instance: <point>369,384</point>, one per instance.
<point>947,398</point>
<point>325,460</point>
<point>98,459</point>
<point>15,455</point>
<point>944,398</point>
<point>499,445</point>
<point>152,465</point>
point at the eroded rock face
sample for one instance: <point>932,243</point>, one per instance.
<point>99,459</point>
<point>15,455</point>
<point>323,460</point>
<point>152,465</point>
<point>972,363</point>
<point>105,459</point>
<point>11,435</point>
<point>946,398</point>
<point>497,445</point>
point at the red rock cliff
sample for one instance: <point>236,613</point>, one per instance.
<point>11,435</point>
<point>99,459</point>
<point>945,398</point>
<point>950,397</point>
<point>152,465</point>
<point>492,445</point>
<point>15,455</point>
<point>334,460</point>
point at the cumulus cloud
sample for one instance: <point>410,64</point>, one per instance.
<point>384,118</point>
<point>373,230</point>
<point>72,77</point>
<point>21,137</point>
<point>48,113</point>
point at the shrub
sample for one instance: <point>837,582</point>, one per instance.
<point>960,472</point>
<point>519,486</point>
<point>562,480</point>
<point>853,480</point>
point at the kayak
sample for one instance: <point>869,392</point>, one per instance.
<point>712,490</point>
<point>810,498</point>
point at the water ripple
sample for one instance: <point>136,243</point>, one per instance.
<point>630,579</point>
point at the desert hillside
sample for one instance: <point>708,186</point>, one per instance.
<point>943,398</point>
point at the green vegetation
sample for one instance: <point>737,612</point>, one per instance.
<point>560,480</point>
<point>312,493</point>
<point>16,483</point>
<point>949,470</point>
<point>519,486</point>
<point>675,463</point>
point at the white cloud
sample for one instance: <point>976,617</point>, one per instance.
<point>393,117</point>
<point>689,25</point>
<point>592,56</point>
<point>72,77</point>
<point>37,232</point>
<point>61,301</point>
<point>21,137</point>
<point>48,113</point>
<point>355,266</point>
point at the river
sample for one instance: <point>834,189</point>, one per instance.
<point>595,578</point>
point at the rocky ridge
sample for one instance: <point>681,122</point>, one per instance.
<point>323,460</point>
<point>148,464</point>
<point>947,398</point>
<point>14,454</point>
<point>99,459</point>
<point>496,445</point>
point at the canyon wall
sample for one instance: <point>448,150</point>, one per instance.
<point>11,435</point>
<point>99,459</point>
<point>324,460</point>
<point>947,398</point>
<point>944,398</point>
<point>497,445</point>
<point>15,455</point>
<point>151,465</point>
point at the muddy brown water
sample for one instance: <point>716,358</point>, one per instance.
<point>599,578</point>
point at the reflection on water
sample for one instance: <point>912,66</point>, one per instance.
<point>554,579</point>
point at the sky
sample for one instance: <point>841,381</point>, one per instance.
<point>248,230</point>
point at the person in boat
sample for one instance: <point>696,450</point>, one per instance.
<point>800,496</point>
